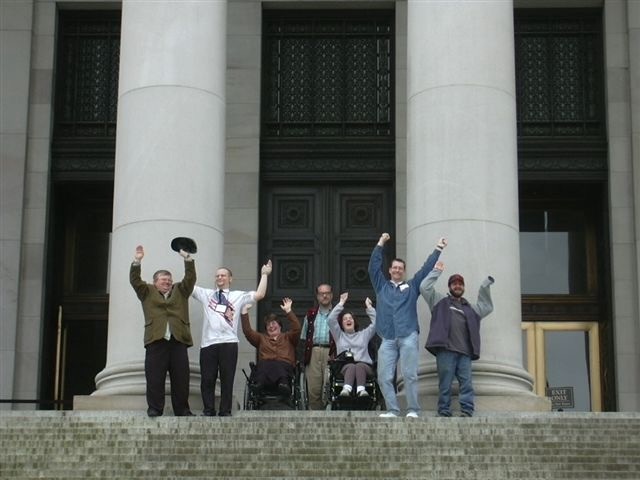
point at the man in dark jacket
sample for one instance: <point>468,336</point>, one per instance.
<point>167,333</point>
<point>319,345</point>
<point>454,336</point>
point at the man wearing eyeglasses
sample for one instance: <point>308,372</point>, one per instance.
<point>319,345</point>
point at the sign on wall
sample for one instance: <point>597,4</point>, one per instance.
<point>561,397</point>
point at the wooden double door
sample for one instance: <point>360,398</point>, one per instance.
<point>319,233</point>
<point>75,333</point>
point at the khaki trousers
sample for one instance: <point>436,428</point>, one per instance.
<point>315,374</point>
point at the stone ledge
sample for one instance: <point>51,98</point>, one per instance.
<point>126,402</point>
<point>499,403</point>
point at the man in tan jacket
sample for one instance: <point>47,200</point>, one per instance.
<point>167,333</point>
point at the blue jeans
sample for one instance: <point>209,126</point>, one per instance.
<point>453,364</point>
<point>406,349</point>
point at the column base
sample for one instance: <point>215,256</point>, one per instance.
<point>497,388</point>
<point>494,403</point>
<point>127,403</point>
<point>123,387</point>
<point>127,379</point>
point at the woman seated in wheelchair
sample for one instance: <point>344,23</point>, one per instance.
<point>276,350</point>
<point>352,346</point>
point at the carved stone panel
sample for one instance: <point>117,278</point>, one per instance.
<point>322,234</point>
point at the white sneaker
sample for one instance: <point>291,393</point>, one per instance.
<point>412,415</point>
<point>363,393</point>
<point>388,415</point>
<point>345,392</point>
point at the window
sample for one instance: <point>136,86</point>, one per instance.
<point>558,238</point>
<point>328,74</point>
<point>564,305</point>
<point>559,73</point>
<point>553,251</point>
<point>87,75</point>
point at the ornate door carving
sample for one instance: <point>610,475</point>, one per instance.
<point>321,234</point>
<point>327,149</point>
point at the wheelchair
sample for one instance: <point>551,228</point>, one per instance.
<point>270,399</point>
<point>373,401</point>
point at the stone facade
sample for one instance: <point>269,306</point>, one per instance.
<point>28,40</point>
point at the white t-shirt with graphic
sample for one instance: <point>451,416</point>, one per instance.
<point>221,317</point>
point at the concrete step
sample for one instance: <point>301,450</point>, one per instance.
<point>66,445</point>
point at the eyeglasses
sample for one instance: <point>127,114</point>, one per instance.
<point>325,293</point>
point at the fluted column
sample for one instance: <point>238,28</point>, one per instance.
<point>462,178</point>
<point>170,164</point>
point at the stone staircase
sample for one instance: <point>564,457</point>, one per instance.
<point>325,445</point>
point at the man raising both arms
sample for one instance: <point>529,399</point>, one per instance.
<point>219,348</point>
<point>397,325</point>
<point>167,333</point>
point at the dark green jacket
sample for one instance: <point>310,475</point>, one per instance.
<point>158,310</point>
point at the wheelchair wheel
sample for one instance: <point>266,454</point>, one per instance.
<point>249,403</point>
<point>300,397</point>
<point>333,386</point>
<point>379,404</point>
<point>326,381</point>
<point>327,394</point>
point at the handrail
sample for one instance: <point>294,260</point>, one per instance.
<point>56,387</point>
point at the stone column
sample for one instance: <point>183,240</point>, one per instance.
<point>628,350</point>
<point>16,174</point>
<point>633,21</point>
<point>170,164</point>
<point>462,174</point>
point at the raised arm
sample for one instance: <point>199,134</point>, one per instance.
<point>484,305</point>
<point>250,334</point>
<point>332,319</point>
<point>189,280</point>
<point>427,289</point>
<point>261,291</point>
<point>375,263</point>
<point>293,335</point>
<point>140,286</point>
<point>199,294</point>
<point>371,313</point>
<point>429,263</point>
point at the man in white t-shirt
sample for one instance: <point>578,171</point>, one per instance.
<point>219,347</point>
